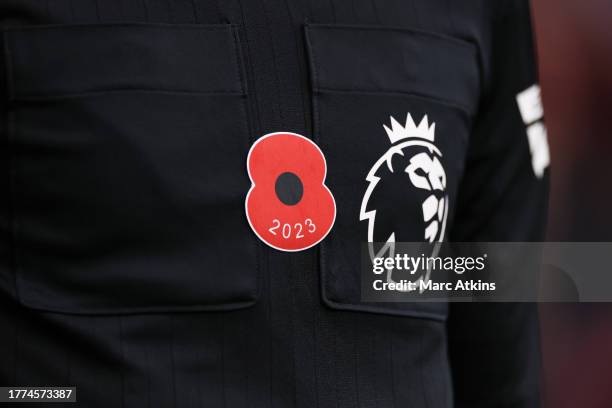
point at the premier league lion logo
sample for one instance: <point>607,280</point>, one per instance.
<point>406,198</point>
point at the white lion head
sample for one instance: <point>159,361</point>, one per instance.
<point>425,173</point>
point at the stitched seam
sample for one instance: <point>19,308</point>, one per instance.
<point>56,96</point>
<point>376,13</point>
<point>455,105</point>
<point>314,85</point>
<point>10,129</point>
<point>97,4</point>
<point>392,367</point>
<point>356,361</point>
<point>170,10</point>
<point>246,125</point>
<point>381,310</point>
<point>405,30</point>
<point>238,61</point>
<point>252,111</point>
<point>72,13</point>
<point>274,52</point>
<point>315,136</point>
<point>9,68</point>
<point>145,7</point>
<point>425,391</point>
<point>123,360</point>
<point>196,18</point>
<point>300,56</point>
<point>333,10</point>
<point>136,310</point>
<point>165,26</point>
<point>253,106</point>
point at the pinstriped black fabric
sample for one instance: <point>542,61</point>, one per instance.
<point>431,18</point>
<point>287,350</point>
<point>260,350</point>
<point>184,11</point>
<point>171,12</point>
<point>376,12</point>
<point>435,361</point>
<point>145,8</point>
<point>258,40</point>
<point>59,11</point>
<point>135,376</point>
<point>235,362</point>
<point>111,10</point>
<point>385,372</point>
<point>332,4</point>
<point>407,367</point>
<point>156,348</point>
<point>286,288</point>
<point>285,55</point>
<point>105,367</point>
<point>320,11</point>
<point>9,334</point>
<point>197,360</point>
<point>39,361</point>
<point>282,359</point>
<point>7,205</point>
<point>325,354</point>
<point>297,13</point>
<point>305,303</point>
<point>158,11</point>
<point>85,11</point>
<point>9,342</point>
<point>365,11</point>
<point>366,363</point>
<point>398,13</point>
<point>133,10</point>
<point>346,362</point>
<point>343,11</point>
<point>206,11</point>
<point>31,11</point>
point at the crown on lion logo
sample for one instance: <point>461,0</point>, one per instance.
<point>410,130</point>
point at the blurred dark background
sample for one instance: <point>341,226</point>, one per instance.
<point>574,40</point>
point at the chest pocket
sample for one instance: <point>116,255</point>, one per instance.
<point>128,144</point>
<point>392,112</point>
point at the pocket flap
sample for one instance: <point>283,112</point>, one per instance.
<point>394,60</point>
<point>52,60</point>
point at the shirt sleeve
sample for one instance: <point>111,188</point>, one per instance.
<point>494,347</point>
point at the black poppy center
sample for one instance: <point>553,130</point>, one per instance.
<point>289,188</point>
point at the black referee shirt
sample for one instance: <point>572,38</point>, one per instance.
<point>127,266</point>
